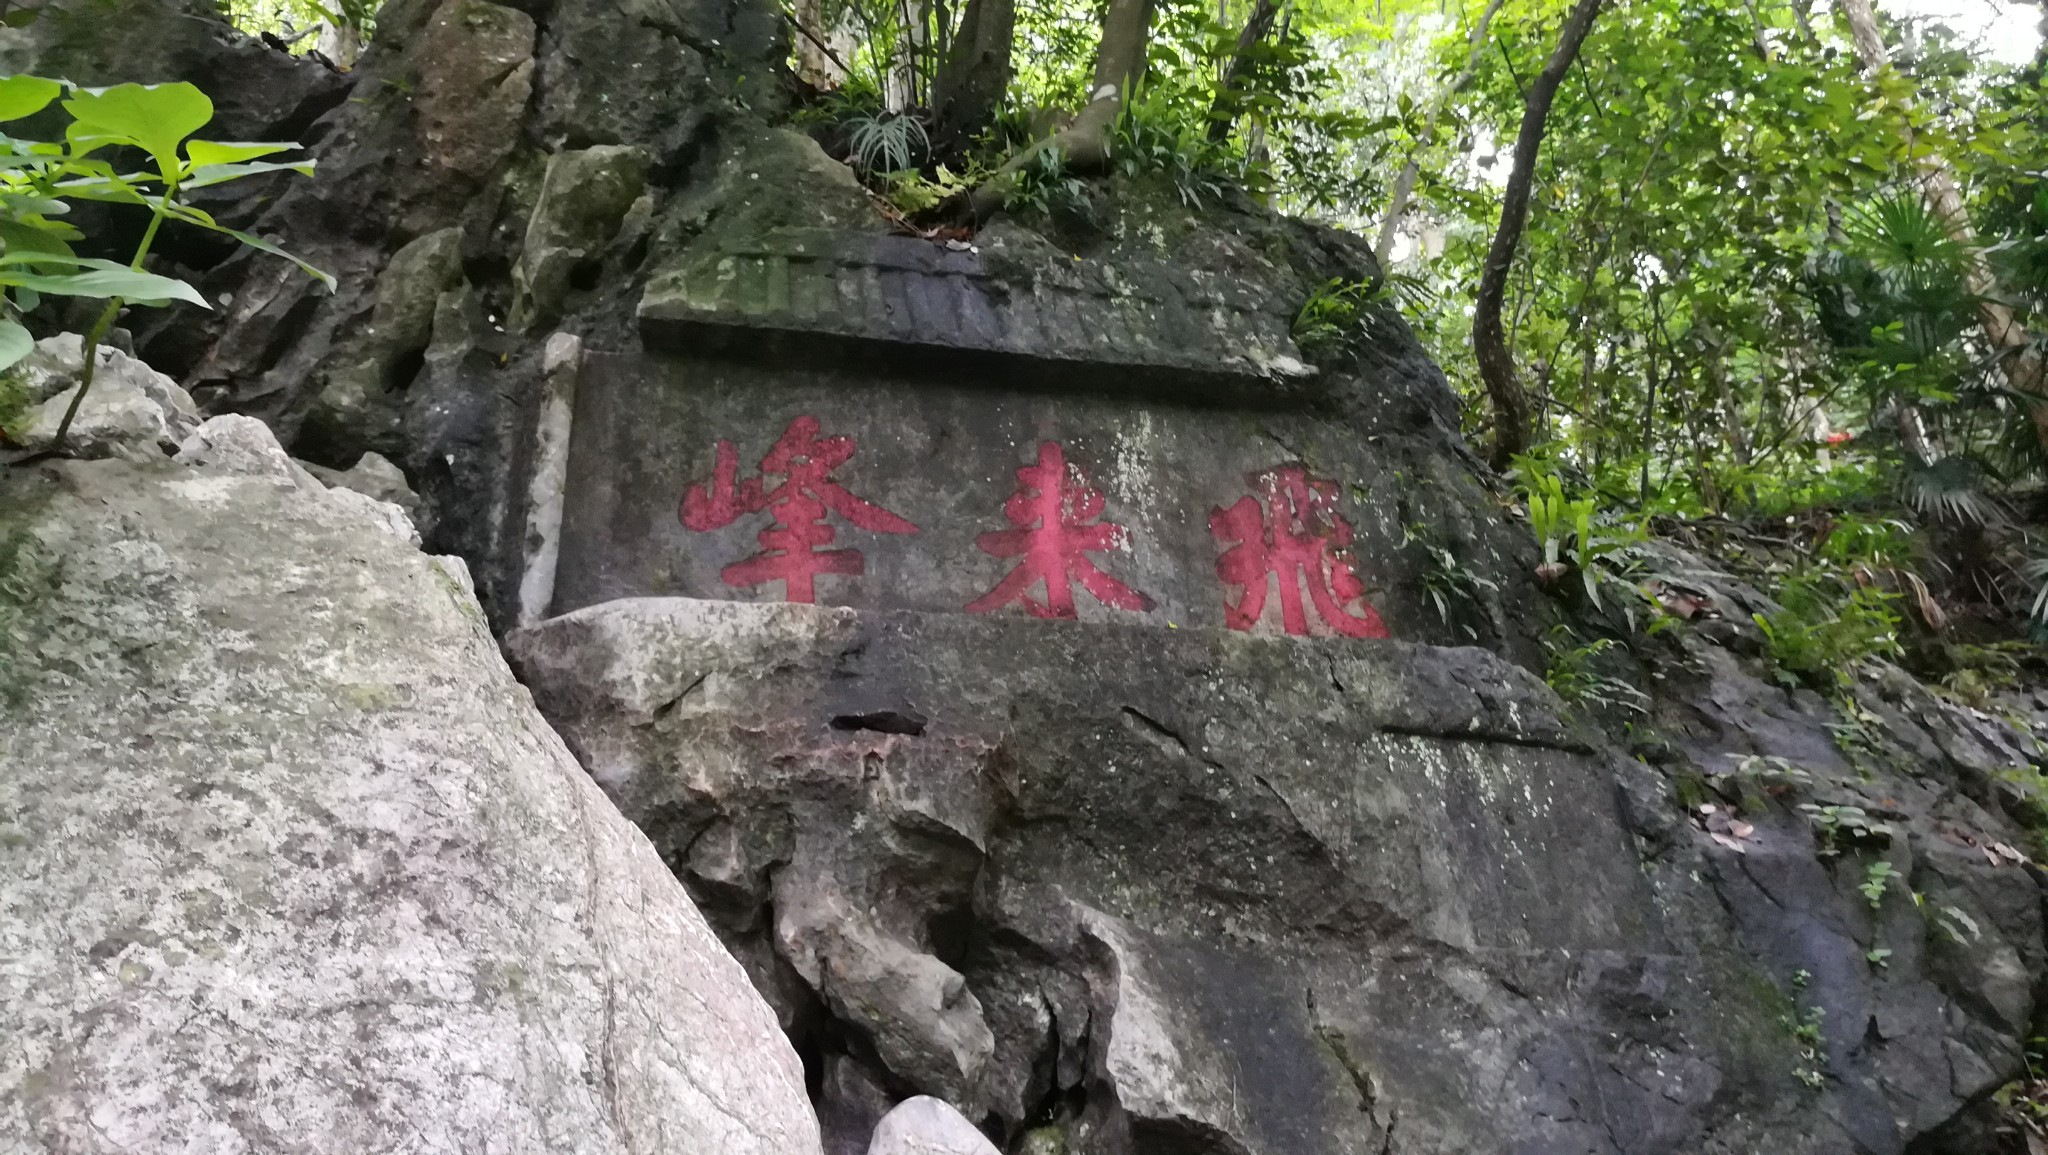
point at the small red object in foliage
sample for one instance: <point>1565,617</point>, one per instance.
<point>790,552</point>
<point>1298,539</point>
<point>1055,512</point>
<point>1839,437</point>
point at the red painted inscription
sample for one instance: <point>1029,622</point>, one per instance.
<point>790,550</point>
<point>1298,539</point>
<point>1054,511</point>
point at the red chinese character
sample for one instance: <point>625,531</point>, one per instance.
<point>1054,511</point>
<point>1298,539</point>
<point>790,552</point>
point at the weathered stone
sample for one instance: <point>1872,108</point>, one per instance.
<point>131,411</point>
<point>1147,327</point>
<point>359,399</point>
<point>922,1125</point>
<point>232,443</point>
<point>292,864</point>
<point>475,65</point>
<point>583,200</point>
<point>1212,892</point>
<point>372,476</point>
<point>402,316</point>
<point>851,1104</point>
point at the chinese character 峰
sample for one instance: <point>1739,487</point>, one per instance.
<point>790,550</point>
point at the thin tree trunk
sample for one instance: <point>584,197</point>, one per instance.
<point>2018,357</point>
<point>1404,184</point>
<point>1489,343</point>
<point>1224,110</point>
<point>975,75</point>
<point>1083,145</point>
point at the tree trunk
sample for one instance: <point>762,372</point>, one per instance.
<point>816,63</point>
<point>975,75</point>
<point>1083,145</point>
<point>1496,364</point>
<point>1404,185</point>
<point>2018,357</point>
<point>1224,110</point>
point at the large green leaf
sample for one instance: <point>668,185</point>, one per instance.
<point>106,279</point>
<point>15,343</point>
<point>26,95</point>
<point>154,117</point>
<point>190,215</point>
<point>209,152</point>
<point>200,176</point>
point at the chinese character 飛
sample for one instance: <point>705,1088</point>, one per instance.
<point>1299,540</point>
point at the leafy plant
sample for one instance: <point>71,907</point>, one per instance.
<point>1839,827</point>
<point>1876,877</point>
<point>1044,185</point>
<point>1331,313</point>
<point>1570,531</point>
<point>1571,672</point>
<point>39,180</point>
<point>884,142</point>
<point>1445,576</point>
<point>1805,1029</point>
<point>1819,637</point>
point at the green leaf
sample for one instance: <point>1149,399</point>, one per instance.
<point>210,152</point>
<point>107,279</point>
<point>26,95</point>
<point>193,216</point>
<point>154,117</point>
<point>212,174</point>
<point>15,343</point>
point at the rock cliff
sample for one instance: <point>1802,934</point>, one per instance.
<point>1064,696</point>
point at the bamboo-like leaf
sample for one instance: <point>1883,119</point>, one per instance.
<point>204,220</point>
<point>213,174</point>
<point>106,279</point>
<point>202,153</point>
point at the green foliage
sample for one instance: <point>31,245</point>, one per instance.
<point>1805,1029</point>
<point>1572,671</point>
<point>1819,635</point>
<point>1876,877</point>
<point>1446,579</point>
<point>1840,827</point>
<point>1043,185</point>
<point>40,180</point>
<point>887,143</point>
<point>1572,532</point>
<point>1332,313</point>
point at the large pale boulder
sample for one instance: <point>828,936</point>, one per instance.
<point>922,1125</point>
<point>289,863</point>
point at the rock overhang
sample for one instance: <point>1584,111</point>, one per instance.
<point>1130,324</point>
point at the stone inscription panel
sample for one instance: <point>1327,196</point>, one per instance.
<point>714,479</point>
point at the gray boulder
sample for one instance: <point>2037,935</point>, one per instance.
<point>132,411</point>
<point>923,1125</point>
<point>288,862</point>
